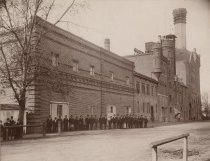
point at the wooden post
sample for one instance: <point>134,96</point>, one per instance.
<point>44,129</point>
<point>7,137</point>
<point>154,154</point>
<point>185,149</point>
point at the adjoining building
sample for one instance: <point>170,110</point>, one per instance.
<point>176,69</point>
<point>146,97</point>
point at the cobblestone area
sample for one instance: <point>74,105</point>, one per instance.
<point>112,145</point>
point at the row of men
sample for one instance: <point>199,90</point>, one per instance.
<point>11,133</point>
<point>93,122</point>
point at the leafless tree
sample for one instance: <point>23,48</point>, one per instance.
<point>19,41</point>
<point>205,103</point>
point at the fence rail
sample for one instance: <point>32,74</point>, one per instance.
<point>20,127</point>
<point>154,146</point>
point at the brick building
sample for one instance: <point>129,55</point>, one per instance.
<point>83,78</point>
<point>146,97</point>
<point>176,69</point>
<point>80,78</point>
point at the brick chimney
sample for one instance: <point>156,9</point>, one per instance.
<point>180,27</point>
<point>107,44</point>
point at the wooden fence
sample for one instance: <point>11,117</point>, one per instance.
<point>154,146</point>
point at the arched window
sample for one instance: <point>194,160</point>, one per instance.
<point>111,109</point>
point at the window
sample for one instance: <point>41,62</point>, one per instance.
<point>128,110</point>
<point>155,91</point>
<point>59,110</point>
<point>111,109</point>
<point>75,66</point>
<point>137,87</point>
<point>112,76</point>
<point>138,108</point>
<point>148,107</point>
<point>143,106</point>
<point>54,58</point>
<point>91,110</point>
<point>143,88</point>
<point>92,70</point>
<point>152,90</point>
<point>148,89</point>
<point>127,81</point>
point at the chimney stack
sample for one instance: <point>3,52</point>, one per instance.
<point>107,44</point>
<point>180,27</point>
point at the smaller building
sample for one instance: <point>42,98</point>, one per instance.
<point>8,110</point>
<point>145,97</point>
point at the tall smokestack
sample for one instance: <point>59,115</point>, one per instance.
<point>180,27</point>
<point>107,44</point>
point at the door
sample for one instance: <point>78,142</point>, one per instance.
<point>59,109</point>
<point>152,114</point>
<point>111,111</point>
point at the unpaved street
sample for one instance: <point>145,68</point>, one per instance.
<point>113,145</point>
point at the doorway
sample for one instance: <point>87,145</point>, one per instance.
<point>59,109</point>
<point>111,111</point>
<point>152,114</point>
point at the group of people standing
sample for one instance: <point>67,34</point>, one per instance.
<point>10,129</point>
<point>91,122</point>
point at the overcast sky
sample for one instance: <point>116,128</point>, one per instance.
<point>131,23</point>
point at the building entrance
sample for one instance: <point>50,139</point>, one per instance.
<point>152,114</point>
<point>59,109</point>
<point>111,111</point>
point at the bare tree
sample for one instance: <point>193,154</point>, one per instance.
<point>205,103</point>
<point>19,41</point>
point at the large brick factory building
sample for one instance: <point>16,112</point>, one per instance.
<point>161,83</point>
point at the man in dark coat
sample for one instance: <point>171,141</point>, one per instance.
<point>7,130</point>
<point>87,122</point>
<point>12,130</point>
<point>76,123</point>
<point>65,123</point>
<point>110,122</point>
<point>49,124</point>
<point>141,121</point>
<point>81,123</point>
<point>1,129</point>
<point>95,122</point>
<point>19,130</point>
<point>71,123</point>
<point>105,121</point>
<point>114,121</point>
<point>91,122</point>
<point>55,125</point>
<point>145,122</point>
<point>100,122</point>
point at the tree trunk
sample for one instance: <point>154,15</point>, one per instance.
<point>21,114</point>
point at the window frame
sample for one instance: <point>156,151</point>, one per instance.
<point>75,66</point>
<point>54,59</point>
<point>92,70</point>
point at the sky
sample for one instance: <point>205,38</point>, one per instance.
<point>130,23</point>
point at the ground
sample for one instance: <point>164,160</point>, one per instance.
<point>113,145</point>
